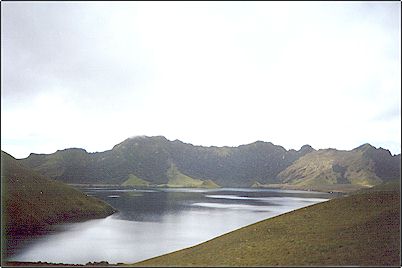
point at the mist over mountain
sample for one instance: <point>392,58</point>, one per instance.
<point>158,161</point>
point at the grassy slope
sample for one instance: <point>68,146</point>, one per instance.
<point>31,201</point>
<point>150,157</point>
<point>135,181</point>
<point>360,229</point>
<point>209,184</point>
<point>329,167</point>
<point>178,179</point>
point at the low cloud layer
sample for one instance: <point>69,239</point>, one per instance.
<point>92,74</point>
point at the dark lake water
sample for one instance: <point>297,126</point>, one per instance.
<point>152,222</point>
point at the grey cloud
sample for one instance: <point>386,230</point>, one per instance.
<point>65,46</point>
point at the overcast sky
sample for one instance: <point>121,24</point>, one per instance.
<point>92,74</point>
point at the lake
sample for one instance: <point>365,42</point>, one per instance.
<point>152,222</point>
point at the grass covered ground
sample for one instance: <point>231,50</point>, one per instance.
<point>176,179</point>
<point>135,181</point>
<point>32,202</point>
<point>361,229</point>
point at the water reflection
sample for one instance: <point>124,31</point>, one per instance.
<point>152,222</point>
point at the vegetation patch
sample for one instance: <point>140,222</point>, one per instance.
<point>331,167</point>
<point>210,184</point>
<point>148,158</point>
<point>178,179</point>
<point>135,181</point>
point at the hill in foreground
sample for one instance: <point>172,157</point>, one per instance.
<point>32,202</point>
<point>361,229</point>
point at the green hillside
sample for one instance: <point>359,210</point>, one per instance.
<point>362,229</point>
<point>135,181</point>
<point>31,202</point>
<point>178,179</point>
<point>364,166</point>
<point>150,159</point>
<point>331,167</point>
<point>259,163</point>
<point>209,184</point>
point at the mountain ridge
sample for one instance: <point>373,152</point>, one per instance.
<point>149,159</point>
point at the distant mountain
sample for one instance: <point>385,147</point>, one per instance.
<point>31,202</point>
<point>364,165</point>
<point>158,161</point>
<point>150,160</point>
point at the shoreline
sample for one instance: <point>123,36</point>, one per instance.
<point>337,223</point>
<point>40,264</point>
<point>333,188</point>
<point>343,193</point>
<point>106,263</point>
